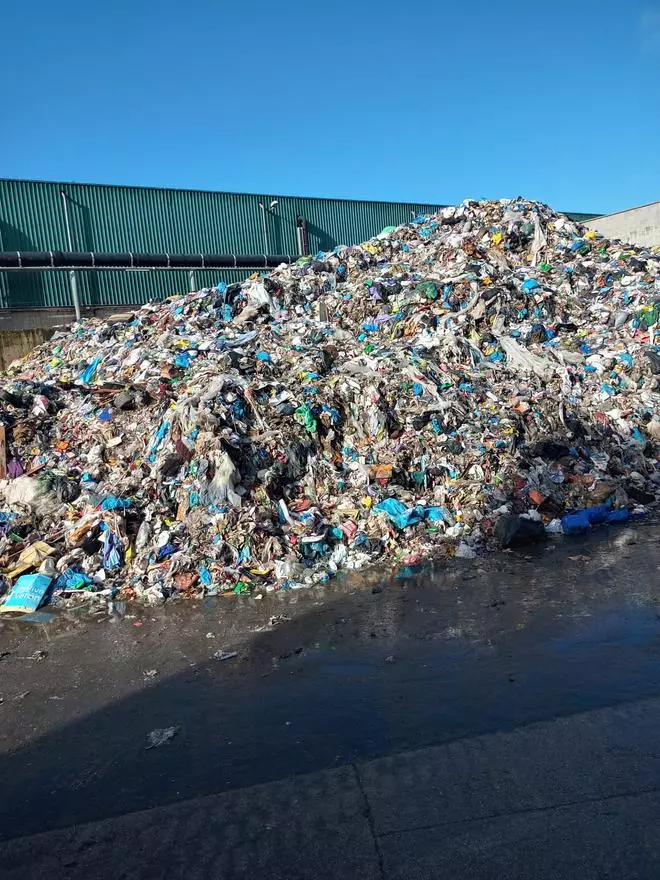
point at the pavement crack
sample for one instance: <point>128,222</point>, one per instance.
<point>522,812</point>
<point>369,816</point>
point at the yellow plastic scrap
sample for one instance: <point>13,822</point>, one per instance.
<point>497,238</point>
<point>30,557</point>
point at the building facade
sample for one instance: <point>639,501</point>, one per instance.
<point>637,225</point>
<point>52,216</point>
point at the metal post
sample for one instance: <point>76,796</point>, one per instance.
<point>193,282</point>
<point>302,235</point>
<point>72,274</point>
<point>263,228</point>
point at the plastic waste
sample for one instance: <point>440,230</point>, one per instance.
<point>518,531</point>
<point>27,593</point>
<point>472,379</point>
<point>581,520</point>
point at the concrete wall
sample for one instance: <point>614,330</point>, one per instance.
<point>16,343</point>
<point>638,225</point>
<point>21,330</point>
<point>28,319</point>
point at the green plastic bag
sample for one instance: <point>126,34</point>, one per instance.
<point>428,289</point>
<point>305,415</point>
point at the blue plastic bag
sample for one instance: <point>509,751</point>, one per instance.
<point>114,503</point>
<point>112,552</point>
<point>161,433</point>
<point>88,373</point>
<point>72,579</point>
<point>402,516</point>
<point>581,520</point>
<point>435,514</point>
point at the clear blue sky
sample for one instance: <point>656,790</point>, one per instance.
<point>408,101</point>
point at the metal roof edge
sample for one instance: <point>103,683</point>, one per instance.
<point>587,215</point>
<point>214,192</point>
<point>625,210</point>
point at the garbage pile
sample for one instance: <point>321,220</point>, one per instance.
<point>486,375</point>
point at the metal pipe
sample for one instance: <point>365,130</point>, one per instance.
<point>72,275</point>
<point>88,260</point>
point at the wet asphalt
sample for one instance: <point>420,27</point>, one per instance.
<point>372,667</point>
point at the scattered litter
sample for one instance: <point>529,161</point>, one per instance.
<point>38,656</point>
<point>151,673</point>
<point>627,537</point>
<point>480,377</point>
<point>464,551</point>
<point>161,736</point>
<point>225,655</point>
<point>38,617</point>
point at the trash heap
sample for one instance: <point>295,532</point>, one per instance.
<point>489,374</point>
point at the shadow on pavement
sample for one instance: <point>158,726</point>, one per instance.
<point>321,680</point>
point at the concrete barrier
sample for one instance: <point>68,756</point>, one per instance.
<point>21,330</point>
<point>17,343</point>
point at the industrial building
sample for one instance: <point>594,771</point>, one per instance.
<point>637,225</point>
<point>52,216</point>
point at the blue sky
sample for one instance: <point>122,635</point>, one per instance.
<point>420,101</point>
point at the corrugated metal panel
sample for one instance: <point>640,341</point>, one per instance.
<point>31,219</point>
<point>581,218</point>
<point>114,218</point>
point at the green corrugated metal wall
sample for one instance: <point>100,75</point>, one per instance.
<point>121,218</point>
<point>114,218</point>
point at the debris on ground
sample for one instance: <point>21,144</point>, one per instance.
<point>626,538</point>
<point>38,656</point>
<point>485,375</point>
<point>225,655</point>
<point>160,737</point>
